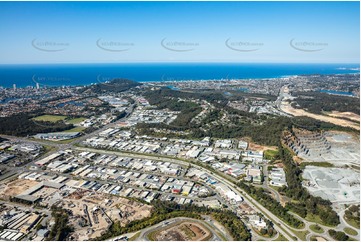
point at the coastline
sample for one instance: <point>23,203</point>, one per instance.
<point>89,74</point>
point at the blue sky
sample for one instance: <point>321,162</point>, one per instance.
<point>107,32</point>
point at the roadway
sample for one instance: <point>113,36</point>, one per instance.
<point>255,205</point>
<point>279,225</point>
<point>142,235</point>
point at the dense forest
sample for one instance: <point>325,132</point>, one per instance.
<point>316,102</point>
<point>262,129</point>
<point>23,125</point>
<point>115,85</point>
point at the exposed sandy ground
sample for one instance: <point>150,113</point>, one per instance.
<point>297,159</point>
<point>185,231</point>
<point>349,115</point>
<point>286,107</point>
<point>16,187</point>
<point>130,210</point>
<point>257,147</point>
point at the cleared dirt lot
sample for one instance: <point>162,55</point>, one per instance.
<point>16,187</point>
<point>254,146</point>
<point>185,231</point>
<point>287,108</point>
<point>348,115</point>
<point>93,213</point>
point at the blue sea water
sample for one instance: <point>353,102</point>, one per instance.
<point>337,92</point>
<point>84,74</point>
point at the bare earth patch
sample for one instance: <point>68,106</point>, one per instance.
<point>257,147</point>
<point>186,231</point>
<point>349,115</point>
<point>16,187</point>
<point>286,107</point>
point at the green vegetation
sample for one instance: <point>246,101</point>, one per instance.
<point>305,202</point>
<point>23,125</point>
<point>338,235</point>
<point>301,234</point>
<point>233,224</point>
<point>320,164</point>
<point>76,129</point>
<point>352,216</point>
<point>316,102</point>
<point>314,238</point>
<point>350,231</point>
<point>60,229</point>
<point>271,204</point>
<point>315,218</point>
<point>238,124</point>
<point>316,228</point>
<point>270,154</point>
<point>134,237</point>
<point>75,120</point>
<point>188,110</point>
<point>152,236</point>
<point>267,232</point>
<point>115,85</point>
<point>166,210</point>
<point>50,118</point>
<point>281,237</point>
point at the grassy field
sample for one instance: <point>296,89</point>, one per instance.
<point>135,237</point>
<point>317,229</point>
<point>281,238</point>
<point>316,219</point>
<point>75,120</point>
<point>75,129</point>
<point>351,222</point>
<point>270,154</point>
<point>350,231</point>
<point>55,118</point>
<point>50,118</point>
<point>313,238</point>
<point>301,234</point>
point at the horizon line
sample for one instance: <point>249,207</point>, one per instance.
<point>180,62</point>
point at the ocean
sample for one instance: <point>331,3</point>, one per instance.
<point>85,74</point>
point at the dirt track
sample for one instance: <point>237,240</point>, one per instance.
<point>286,107</point>
<point>348,115</point>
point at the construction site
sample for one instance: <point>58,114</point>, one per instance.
<point>93,213</point>
<point>90,213</point>
<point>184,231</point>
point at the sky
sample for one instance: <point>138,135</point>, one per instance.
<point>121,32</point>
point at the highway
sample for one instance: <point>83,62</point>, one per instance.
<point>255,205</point>
<point>278,223</point>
